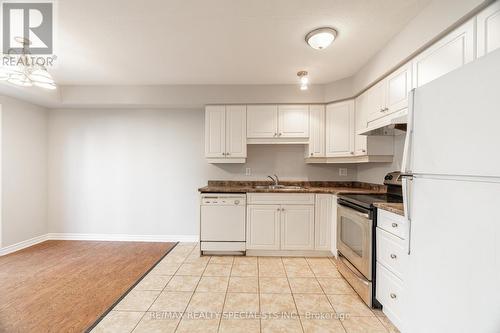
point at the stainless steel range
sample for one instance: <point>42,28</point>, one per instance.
<point>356,222</point>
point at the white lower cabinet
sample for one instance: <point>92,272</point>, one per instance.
<point>297,227</point>
<point>324,217</point>
<point>289,222</point>
<point>391,265</point>
<point>263,227</point>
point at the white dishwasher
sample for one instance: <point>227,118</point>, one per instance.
<point>222,222</point>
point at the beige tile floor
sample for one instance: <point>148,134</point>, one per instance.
<point>189,293</point>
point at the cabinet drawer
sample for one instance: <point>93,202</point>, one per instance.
<point>391,252</point>
<point>392,223</point>
<point>280,198</point>
<point>390,293</point>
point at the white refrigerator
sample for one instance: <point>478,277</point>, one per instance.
<point>452,201</point>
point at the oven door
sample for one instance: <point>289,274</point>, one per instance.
<point>354,238</point>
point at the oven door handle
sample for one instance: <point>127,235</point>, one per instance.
<point>362,214</point>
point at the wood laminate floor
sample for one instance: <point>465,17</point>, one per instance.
<point>64,286</point>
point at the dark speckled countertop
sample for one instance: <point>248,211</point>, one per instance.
<point>333,187</point>
<point>396,208</point>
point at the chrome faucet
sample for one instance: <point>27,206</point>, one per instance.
<point>275,180</point>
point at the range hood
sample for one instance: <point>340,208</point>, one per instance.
<point>387,126</point>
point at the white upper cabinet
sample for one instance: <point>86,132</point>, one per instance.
<point>451,52</point>
<point>488,29</point>
<point>398,86</point>
<point>215,131</point>
<point>293,121</point>
<point>277,122</point>
<point>262,121</point>
<point>340,129</point>
<point>225,133</point>
<point>316,147</point>
<point>375,101</point>
<point>236,127</point>
<point>389,95</point>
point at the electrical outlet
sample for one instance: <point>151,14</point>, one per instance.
<point>342,171</point>
<point>248,172</point>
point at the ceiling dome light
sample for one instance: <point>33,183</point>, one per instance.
<point>321,38</point>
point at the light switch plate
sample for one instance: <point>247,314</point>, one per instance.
<point>342,171</point>
<point>248,172</point>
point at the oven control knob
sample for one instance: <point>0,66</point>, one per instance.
<point>236,202</point>
<point>388,177</point>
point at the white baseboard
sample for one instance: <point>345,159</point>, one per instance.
<point>23,244</point>
<point>97,237</point>
<point>123,237</point>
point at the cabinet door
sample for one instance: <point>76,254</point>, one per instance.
<point>376,101</point>
<point>340,129</point>
<point>263,227</point>
<point>451,52</point>
<point>236,131</point>
<point>262,121</point>
<point>293,121</point>
<point>215,131</point>
<point>488,29</point>
<point>297,227</point>
<point>323,215</point>
<point>316,146</point>
<point>360,112</point>
<point>398,86</point>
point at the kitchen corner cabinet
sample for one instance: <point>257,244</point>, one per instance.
<point>340,129</point>
<point>449,53</point>
<point>316,147</point>
<point>278,124</point>
<point>488,29</point>
<point>225,133</point>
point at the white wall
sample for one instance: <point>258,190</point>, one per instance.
<point>375,172</point>
<point>138,171</point>
<point>24,171</point>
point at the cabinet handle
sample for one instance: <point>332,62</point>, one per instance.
<point>393,256</point>
<point>393,296</point>
<point>275,134</point>
<point>282,209</point>
<point>227,154</point>
<point>223,154</point>
<point>312,154</point>
<point>280,134</point>
<point>278,209</point>
<point>394,225</point>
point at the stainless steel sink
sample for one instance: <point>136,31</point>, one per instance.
<point>277,187</point>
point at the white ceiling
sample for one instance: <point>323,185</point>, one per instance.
<point>131,42</point>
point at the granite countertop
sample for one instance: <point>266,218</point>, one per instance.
<point>396,208</point>
<point>332,187</point>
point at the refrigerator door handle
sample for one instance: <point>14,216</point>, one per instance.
<point>406,163</point>
<point>407,180</point>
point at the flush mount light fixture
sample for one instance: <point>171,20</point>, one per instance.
<point>321,38</point>
<point>304,80</point>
